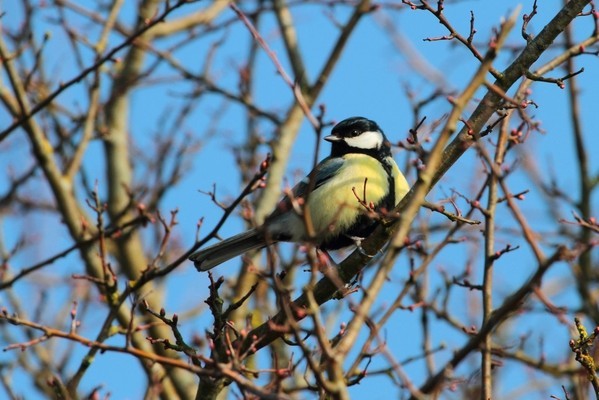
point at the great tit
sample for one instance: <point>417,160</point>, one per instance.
<point>359,174</point>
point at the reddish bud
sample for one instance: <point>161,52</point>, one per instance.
<point>301,313</point>
<point>342,328</point>
<point>323,259</point>
<point>247,214</point>
<point>282,373</point>
<point>264,165</point>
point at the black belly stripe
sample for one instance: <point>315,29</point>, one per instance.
<point>391,179</point>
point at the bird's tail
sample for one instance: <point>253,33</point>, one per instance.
<point>218,253</point>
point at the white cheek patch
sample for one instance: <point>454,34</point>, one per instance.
<point>366,140</point>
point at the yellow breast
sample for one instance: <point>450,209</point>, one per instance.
<point>336,204</point>
<point>401,184</point>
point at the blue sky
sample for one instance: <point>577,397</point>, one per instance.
<point>369,81</point>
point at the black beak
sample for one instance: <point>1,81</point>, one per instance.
<point>332,138</point>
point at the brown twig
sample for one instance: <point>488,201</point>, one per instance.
<point>26,114</point>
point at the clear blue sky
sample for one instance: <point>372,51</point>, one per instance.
<point>369,81</point>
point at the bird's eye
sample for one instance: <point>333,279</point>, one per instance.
<point>355,132</point>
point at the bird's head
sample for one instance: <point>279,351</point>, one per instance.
<point>358,135</point>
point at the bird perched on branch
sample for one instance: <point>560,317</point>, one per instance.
<point>339,197</point>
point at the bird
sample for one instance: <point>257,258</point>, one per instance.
<point>358,176</point>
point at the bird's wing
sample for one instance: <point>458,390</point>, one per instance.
<point>323,172</point>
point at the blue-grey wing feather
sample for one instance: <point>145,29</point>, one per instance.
<point>323,172</point>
